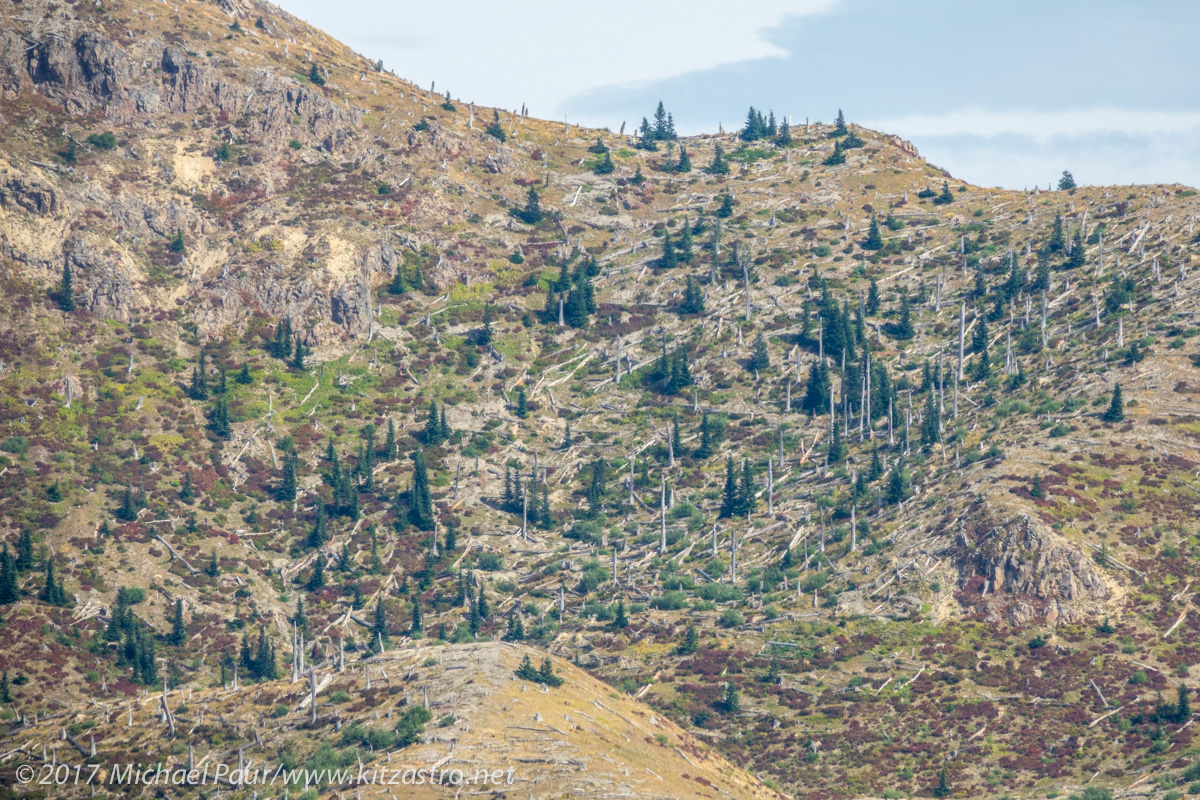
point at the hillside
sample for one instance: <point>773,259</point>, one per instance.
<point>814,453</point>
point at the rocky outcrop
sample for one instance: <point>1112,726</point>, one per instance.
<point>1023,572</point>
<point>101,285</point>
<point>28,194</point>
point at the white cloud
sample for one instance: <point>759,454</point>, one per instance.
<point>541,52</point>
<point>1040,125</point>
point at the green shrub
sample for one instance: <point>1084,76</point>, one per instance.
<point>731,618</point>
<point>103,141</point>
<point>669,601</point>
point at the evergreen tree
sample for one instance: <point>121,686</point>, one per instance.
<point>316,581</point>
<point>128,510</point>
<point>187,492</point>
<point>522,410</point>
<point>416,625</point>
<point>287,483</point>
<point>420,505</point>
<point>784,139</point>
<point>638,178</point>
<point>213,569</point>
<point>379,626</point>
<point>516,629</point>
<point>725,210</point>
<point>904,330</point>
<point>837,157</point>
<point>1066,182</point>
<point>943,788</point>
<point>389,447</point>
<point>532,213</point>
<point>5,688</point>
<point>839,125</point>
<point>729,498</point>
<point>746,501</point>
<point>495,129</point>
<point>669,257</point>
<point>945,197</point>
<point>760,356</point>
<point>199,386</point>
<point>10,592</point>
<point>620,618</point>
<point>837,447</point>
<point>481,603</point>
<point>300,617</point>
<point>693,298</point>
<point>931,422</point>
<point>874,239</point>
<point>298,355</point>
<point>897,488</point>
<point>597,487</point>
<point>816,394</point>
<point>178,635</point>
<point>706,446</point>
<point>872,306</point>
<point>1078,256</point>
<point>719,165</point>
<point>319,533</point>
<point>685,243</point>
<point>66,289</point>
<point>606,166</point>
<point>730,702</point>
<point>244,377</point>
<point>433,425</point>
<point>1116,406</point>
<point>24,559</point>
<point>315,76</point>
<point>218,420</point>
<point>684,164</point>
<point>1183,704</point>
<point>690,643</point>
<point>52,590</point>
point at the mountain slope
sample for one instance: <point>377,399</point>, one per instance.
<point>969,573</point>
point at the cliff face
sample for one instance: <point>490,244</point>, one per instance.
<point>85,80</point>
<point>1021,571</point>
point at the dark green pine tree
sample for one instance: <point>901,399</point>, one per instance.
<point>839,125</point>
<point>316,581</point>
<point>606,166</point>
<point>66,290</point>
<point>931,422</point>
<point>433,425</point>
<point>522,403</point>
<point>684,164</point>
<point>389,445</point>
<point>705,449</point>
<point>746,501</point>
<point>760,356</point>
<point>690,643</point>
<point>199,386</point>
<point>729,497</point>
<point>128,510</point>
<point>837,157</point>
<point>416,624</point>
<point>620,618</point>
<point>903,329</point>
<point>872,306</point>
<point>945,197</point>
<point>300,617</point>
<point>897,488</point>
<point>669,258</point>
<point>420,502</point>
<point>837,447</point>
<point>784,139</point>
<point>1058,237</point>
<point>685,242</point>
<point>10,592</point>
<point>816,394</point>
<point>5,688</point>
<point>693,298</point>
<point>187,492</point>
<point>52,590</point>
<point>213,569</point>
<point>319,533</point>
<point>1183,705</point>
<point>178,634</point>
<point>244,377</point>
<point>532,212</point>
<point>725,210</point>
<point>874,239</point>
<point>495,129</point>
<point>1116,406</point>
<point>299,353</point>
<point>597,487</point>
<point>218,419</point>
<point>287,483</point>
<point>719,165</point>
<point>24,559</point>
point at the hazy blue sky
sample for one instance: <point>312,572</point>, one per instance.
<point>1000,93</point>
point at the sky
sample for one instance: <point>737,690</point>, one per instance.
<point>1004,93</point>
